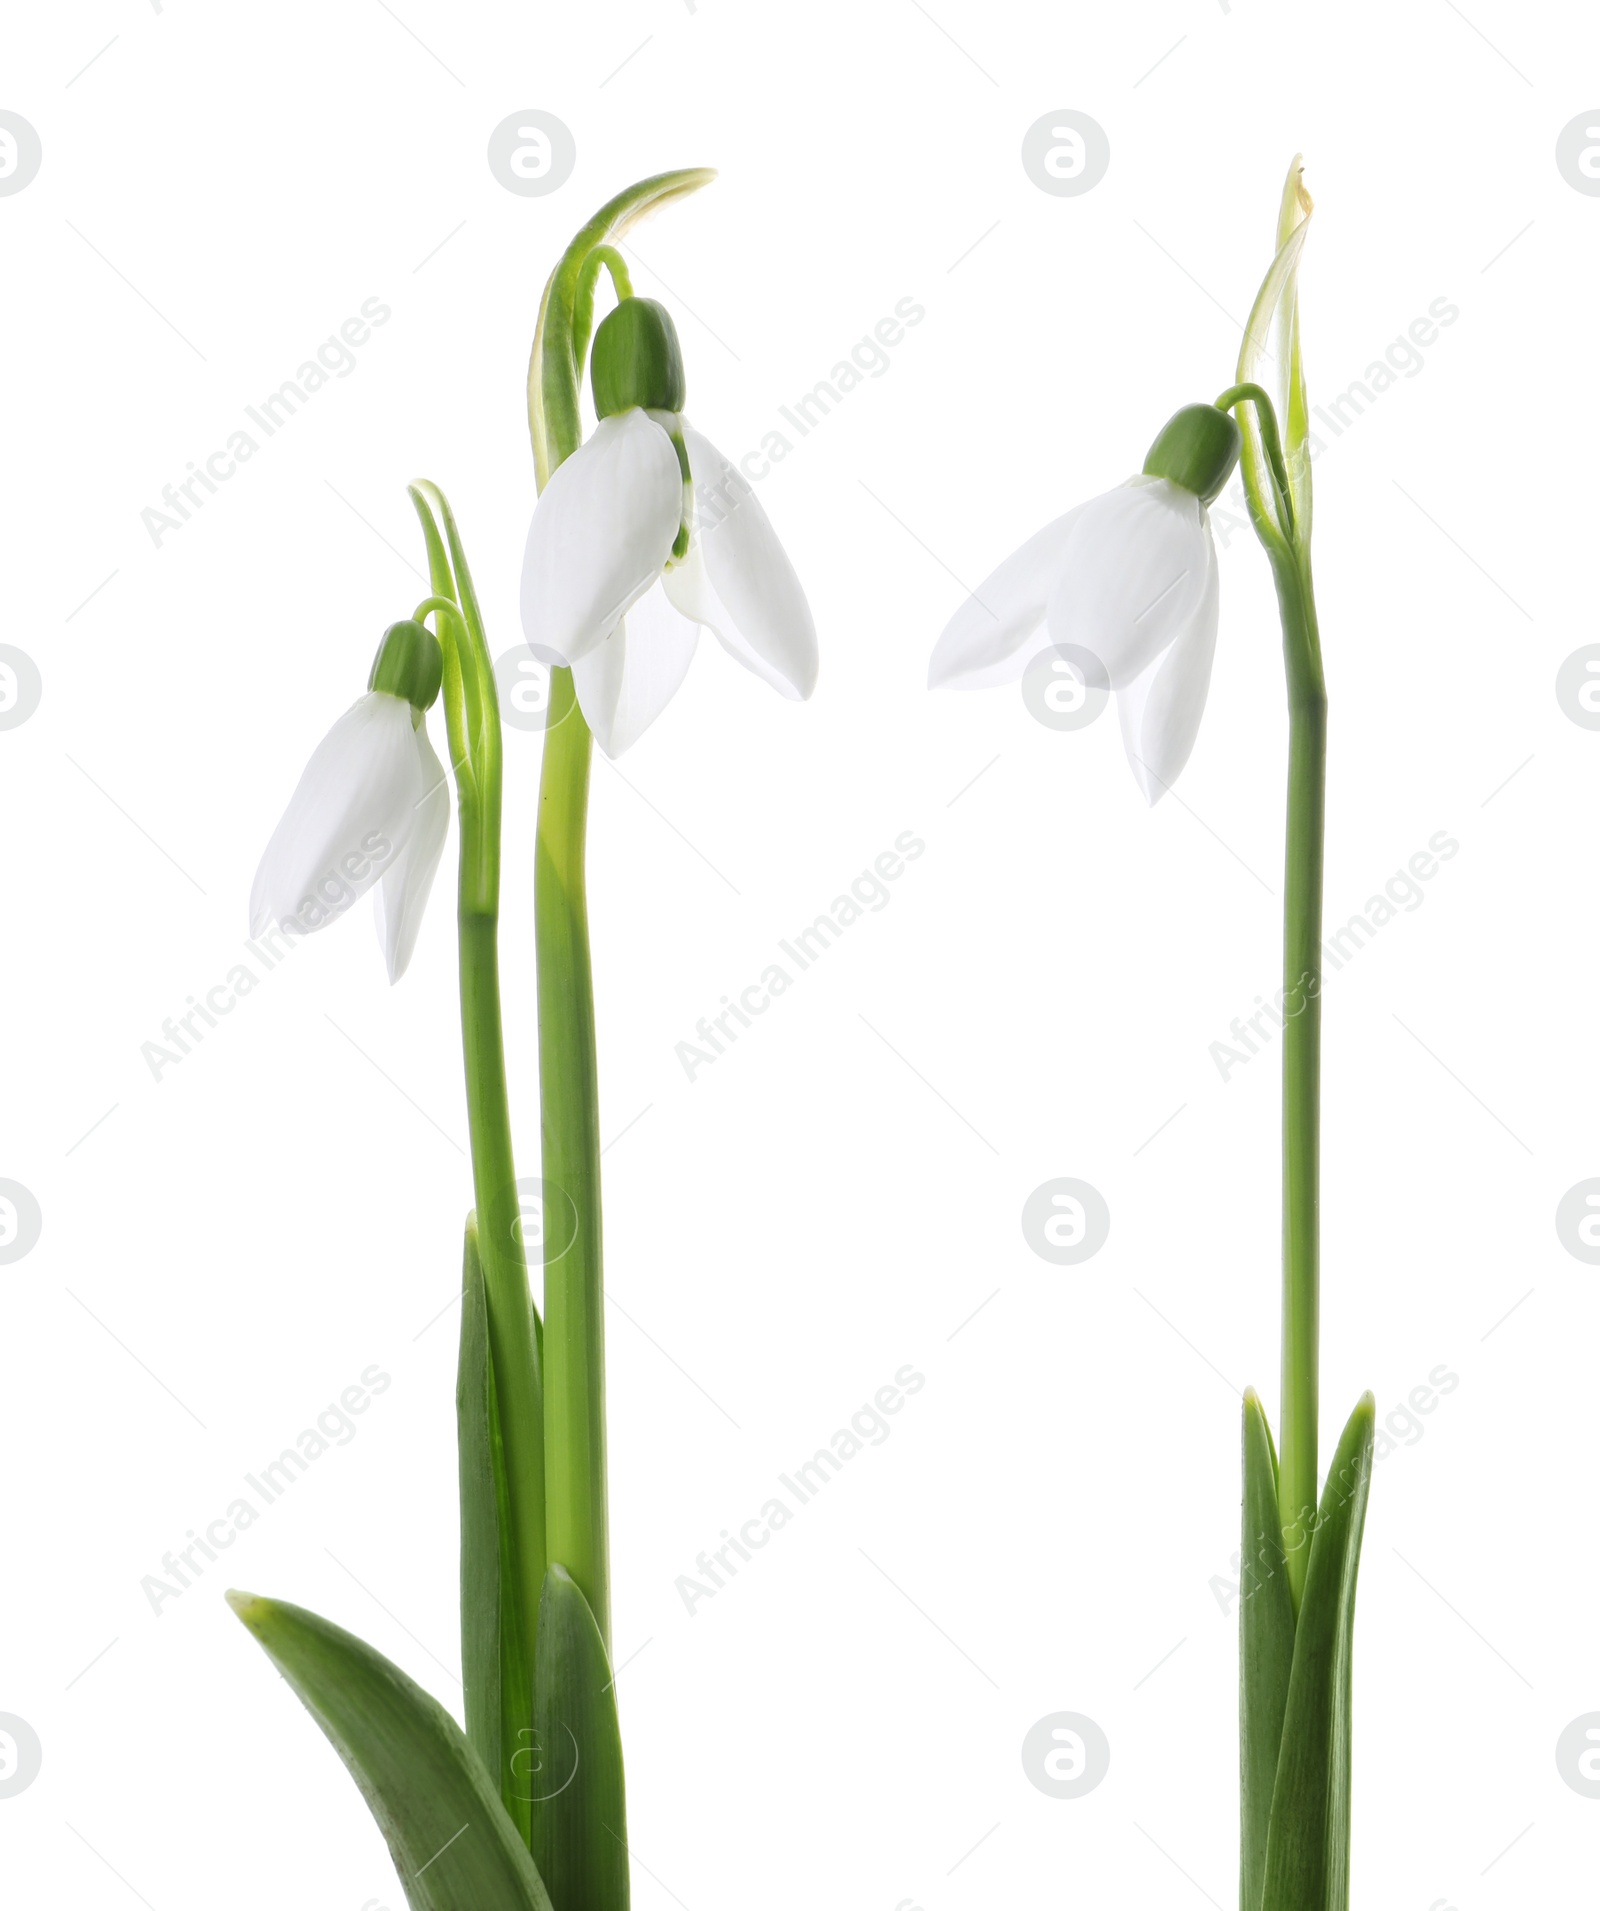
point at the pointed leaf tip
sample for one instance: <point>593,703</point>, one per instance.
<point>1308,1841</point>
<point>448,1834</point>
<point>1269,355</point>
<point>1297,204</point>
<point>580,1826</point>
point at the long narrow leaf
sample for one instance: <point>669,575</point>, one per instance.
<point>1266,1650</point>
<point>579,1820</point>
<point>1269,355</point>
<point>488,1647</point>
<point>480,1516</point>
<point>1308,1842</point>
<point>1294,209</point>
<point>452,1843</point>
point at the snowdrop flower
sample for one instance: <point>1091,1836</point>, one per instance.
<point>644,535</point>
<point>370,811</point>
<point>1130,578</point>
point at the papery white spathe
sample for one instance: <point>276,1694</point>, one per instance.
<point>1130,577</point>
<point>600,551</point>
<point>370,812</point>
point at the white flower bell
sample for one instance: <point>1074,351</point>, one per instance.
<point>647,522</point>
<point>1131,578</point>
<point>370,811</point>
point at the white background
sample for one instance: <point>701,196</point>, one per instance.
<point>225,1249</point>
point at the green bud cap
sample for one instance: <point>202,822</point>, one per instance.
<point>1196,448</point>
<point>409,664</point>
<point>636,360</point>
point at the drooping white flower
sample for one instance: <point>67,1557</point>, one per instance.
<point>646,535</point>
<point>1131,579</point>
<point>370,812</point>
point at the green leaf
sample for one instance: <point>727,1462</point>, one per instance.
<point>489,1648</point>
<point>1266,1649</point>
<point>1308,1840</point>
<point>479,1469</point>
<point>1272,333</point>
<point>554,373</point>
<point>1294,209</point>
<point>452,1843</point>
<point>579,1820</point>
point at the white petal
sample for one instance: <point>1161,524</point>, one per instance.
<point>1000,627</point>
<point>603,528</point>
<point>399,900</point>
<point>625,684</point>
<point>738,581</point>
<point>1134,570</point>
<point>1162,707</point>
<point>351,813</point>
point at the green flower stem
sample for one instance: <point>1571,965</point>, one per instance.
<point>1285,539</point>
<point>574,1291</point>
<point>611,260</point>
<point>578,1534</point>
<point>446,607</point>
<point>473,720</point>
<point>512,1355</point>
<point>1302,1055</point>
<point>1253,394</point>
<point>556,363</point>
